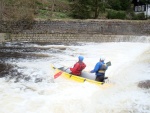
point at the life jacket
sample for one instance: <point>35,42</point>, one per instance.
<point>103,68</point>
<point>78,67</point>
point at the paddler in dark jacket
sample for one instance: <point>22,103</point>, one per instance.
<point>99,70</point>
<point>78,67</point>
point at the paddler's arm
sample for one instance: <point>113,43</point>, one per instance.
<point>96,68</point>
<point>75,67</point>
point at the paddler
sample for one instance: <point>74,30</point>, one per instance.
<point>99,70</point>
<point>78,66</point>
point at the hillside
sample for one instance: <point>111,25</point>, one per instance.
<point>54,9</point>
<point>29,10</point>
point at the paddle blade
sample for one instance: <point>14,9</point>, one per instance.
<point>57,75</point>
<point>108,63</point>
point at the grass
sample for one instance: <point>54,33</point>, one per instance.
<point>61,10</point>
<point>44,14</point>
<point>60,15</point>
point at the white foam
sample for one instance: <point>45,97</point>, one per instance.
<point>70,97</point>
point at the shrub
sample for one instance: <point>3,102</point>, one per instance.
<point>138,16</point>
<point>113,14</point>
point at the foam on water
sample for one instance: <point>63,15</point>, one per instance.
<point>63,96</point>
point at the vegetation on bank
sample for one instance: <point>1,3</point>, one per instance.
<point>29,10</point>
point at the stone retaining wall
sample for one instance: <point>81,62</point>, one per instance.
<point>66,38</point>
<point>76,30</point>
<point>105,27</point>
<point>2,37</point>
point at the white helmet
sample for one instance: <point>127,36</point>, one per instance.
<point>102,58</point>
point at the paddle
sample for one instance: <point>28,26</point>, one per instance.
<point>59,73</point>
<point>108,63</point>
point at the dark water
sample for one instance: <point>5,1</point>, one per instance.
<point>15,51</point>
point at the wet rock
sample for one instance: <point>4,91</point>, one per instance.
<point>38,80</point>
<point>144,84</point>
<point>5,69</point>
<point>10,72</point>
<point>21,77</point>
<point>27,78</point>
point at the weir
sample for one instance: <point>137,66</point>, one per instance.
<point>70,38</point>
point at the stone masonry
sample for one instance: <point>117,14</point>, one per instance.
<point>77,30</point>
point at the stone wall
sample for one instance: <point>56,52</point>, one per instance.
<point>75,30</point>
<point>3,37</point>
<point>107,27</point>
<point>66,38</point>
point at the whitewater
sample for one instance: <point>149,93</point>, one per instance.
<point>130,65</point>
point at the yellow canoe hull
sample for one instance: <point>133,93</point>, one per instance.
<point>74,77</point>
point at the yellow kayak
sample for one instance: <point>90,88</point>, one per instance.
<point>59,72</point>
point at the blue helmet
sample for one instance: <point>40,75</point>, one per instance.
<point>81,58</point>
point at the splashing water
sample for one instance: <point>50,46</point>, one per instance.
<point>130,64</point>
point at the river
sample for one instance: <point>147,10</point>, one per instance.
<point>27,84</point>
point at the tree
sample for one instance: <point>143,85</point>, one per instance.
<point>120,4</point>
<point>145,1</point>
<point>81,9</point>
<point>84,9</point>
<point>125,4</point>
<point>98,6</point>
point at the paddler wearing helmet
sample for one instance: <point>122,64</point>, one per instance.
<point>78,66</point>
<point>100,69</point>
